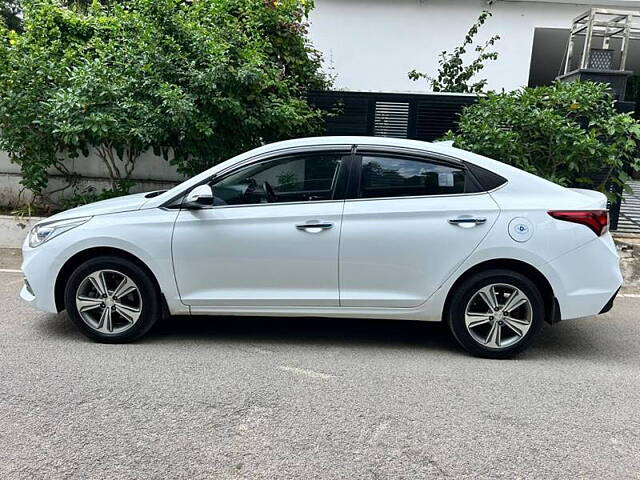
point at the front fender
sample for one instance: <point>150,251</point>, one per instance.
<point>145,234</point>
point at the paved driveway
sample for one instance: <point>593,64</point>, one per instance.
<point>310,398</point>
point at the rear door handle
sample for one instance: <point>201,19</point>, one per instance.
<point>467,220</point>
<point>314,227</point>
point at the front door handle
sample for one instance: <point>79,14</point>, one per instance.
<point>314,226</point>
<point>467,220</point>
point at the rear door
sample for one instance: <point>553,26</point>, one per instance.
<point>408,223</point>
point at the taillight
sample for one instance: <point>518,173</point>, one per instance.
<point>596,220</point>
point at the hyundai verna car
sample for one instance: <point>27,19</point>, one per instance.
<point>335,227</point>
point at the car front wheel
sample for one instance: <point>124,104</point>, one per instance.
<point>496,313</point>
<point>112,300</point>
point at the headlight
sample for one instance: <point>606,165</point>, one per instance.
<point>44,232</point>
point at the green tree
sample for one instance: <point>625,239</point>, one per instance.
<point>453,74</point>
<point>196,82</point>
<point>566,133</point>
<point>248,67</point>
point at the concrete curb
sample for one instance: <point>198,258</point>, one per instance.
<point>629,250</point>
<point>14,229</point>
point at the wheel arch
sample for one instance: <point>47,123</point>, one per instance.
<point>78,258</point>
<point>551,306</point>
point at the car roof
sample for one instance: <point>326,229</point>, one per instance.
<point>345,140</point>
<point>443,147</point>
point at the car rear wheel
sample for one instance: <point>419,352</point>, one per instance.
<point>496,313</point>
<point>112,300</point>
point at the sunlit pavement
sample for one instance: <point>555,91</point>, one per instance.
<point>312,398</point>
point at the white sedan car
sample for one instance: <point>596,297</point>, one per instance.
<point>335,227</point>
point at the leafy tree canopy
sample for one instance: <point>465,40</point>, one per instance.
<point>198,82</point>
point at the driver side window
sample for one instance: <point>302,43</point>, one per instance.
<point>299,178</point>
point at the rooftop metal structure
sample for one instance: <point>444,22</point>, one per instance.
<point>604,25</point>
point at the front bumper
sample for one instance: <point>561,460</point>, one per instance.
<point>27,292</point>
<point>40,267</point>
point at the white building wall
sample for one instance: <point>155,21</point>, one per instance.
<point>372,44</point>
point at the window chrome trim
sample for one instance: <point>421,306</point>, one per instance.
<point>412,197</point>
<point>272,204</point>
<point>485,192</point>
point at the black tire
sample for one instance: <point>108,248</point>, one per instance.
<point>150,308</point>
<point>463,295</point>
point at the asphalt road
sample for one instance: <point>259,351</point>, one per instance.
<point>310,398</point>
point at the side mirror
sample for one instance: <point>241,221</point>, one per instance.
<point>199,197</point>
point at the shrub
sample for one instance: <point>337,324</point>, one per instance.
<point>566,133</point>
<point>197,82</point>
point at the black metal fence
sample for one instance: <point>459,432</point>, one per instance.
<point>407,115</point>
<point>401,115</point>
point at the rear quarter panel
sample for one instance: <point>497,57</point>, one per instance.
<point>526,196</point>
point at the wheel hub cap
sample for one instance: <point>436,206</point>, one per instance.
<point>109,301</point>
<point>498,316</point>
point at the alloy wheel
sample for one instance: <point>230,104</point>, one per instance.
<point>498,315</point>
<point>108,301</point>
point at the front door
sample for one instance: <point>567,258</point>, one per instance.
<point>271,238</point>
<point>409,224</point>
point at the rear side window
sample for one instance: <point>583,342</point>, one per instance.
<point>395,176</point>
<point>487,180</point>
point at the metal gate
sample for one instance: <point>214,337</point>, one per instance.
<point>399,115</point>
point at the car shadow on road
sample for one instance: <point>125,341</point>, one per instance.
<point>306,331</point>
<point>278,330</point>
<point>560,341</point>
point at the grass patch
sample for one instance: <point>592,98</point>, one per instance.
<point>26,211</point>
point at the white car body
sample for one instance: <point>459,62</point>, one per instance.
<point>393,258</point>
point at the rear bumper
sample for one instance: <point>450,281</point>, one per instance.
<point>586,280</point>
<point>609,304</point>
